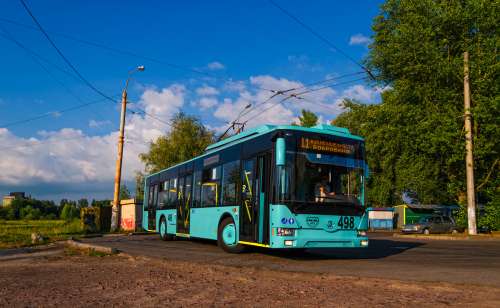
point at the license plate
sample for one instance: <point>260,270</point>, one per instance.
<point>346,222</point>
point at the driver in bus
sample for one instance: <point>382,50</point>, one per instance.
<point>322,190</point>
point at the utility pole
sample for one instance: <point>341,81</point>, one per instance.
<point>469,158</point>
<point>115,214</point>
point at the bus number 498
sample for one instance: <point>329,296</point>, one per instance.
<point>346,222</point>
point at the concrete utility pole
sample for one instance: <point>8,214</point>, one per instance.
<point>469,158</point>
<point>115,215</point>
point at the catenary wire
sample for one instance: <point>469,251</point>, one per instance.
<point>320,37</point>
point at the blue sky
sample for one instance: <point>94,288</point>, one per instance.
<point>251,43</point>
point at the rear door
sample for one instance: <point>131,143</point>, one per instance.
<point>152,204</point>
<point>184,204</point>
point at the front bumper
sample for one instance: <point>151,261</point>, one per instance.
<point>307,238</point>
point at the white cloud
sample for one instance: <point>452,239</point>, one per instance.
<point>234,86</point>
<point>96,124</point>
<point>207,102</point>
<point>363,94</point>
<point>206,91</point>
<point>72,160</point>
<point>359,39</point>
<point>215,66</point>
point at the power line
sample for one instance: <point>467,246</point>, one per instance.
<point>118,51</point>
<point>52,113</point>
<point>320,37</point>
<point>90,85</point>
<point>308,91</point>
<point>36,58</point>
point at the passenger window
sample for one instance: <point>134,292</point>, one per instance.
<point>155,196</point>
<point>231,175</point>
<point>172,193</point>
<point>197,189</point>
<point>210,187</point>
<point>150,197</point>
<point>163,195</point>
<point>188,190</point>
<point>180,192</point>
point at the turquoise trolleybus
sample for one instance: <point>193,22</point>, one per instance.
<point>272,186</point>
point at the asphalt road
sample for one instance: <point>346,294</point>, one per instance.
<point>464,262</point>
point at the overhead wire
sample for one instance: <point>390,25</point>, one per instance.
<point>37,59</point>
<point>320,37</point>
<point>298,96</point>
<point>61,54</point>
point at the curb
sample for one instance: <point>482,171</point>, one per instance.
<point>97,248</point>
<point>447,237</point>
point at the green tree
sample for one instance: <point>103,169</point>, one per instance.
<point>139,186</point>
<point>83,203</point>
<point>415,137</point>
<point>307,118</point>
<point>187,139</point>
<point>124,192</point>
<point>70,212</point>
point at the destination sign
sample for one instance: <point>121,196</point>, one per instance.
<point>326,146</point>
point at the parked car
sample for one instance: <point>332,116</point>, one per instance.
<point>433,224</point>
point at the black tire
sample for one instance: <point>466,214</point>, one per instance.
<point>164,235</point>
<point>220,242</point>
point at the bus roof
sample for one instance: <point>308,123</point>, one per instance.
<point>264,129</point>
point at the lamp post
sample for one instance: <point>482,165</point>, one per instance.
<point>115,215</point>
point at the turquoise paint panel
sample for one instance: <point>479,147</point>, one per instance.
<point>314,231</point>
<point>205,221</point>
<point>280,152</point>
<point>170,216</point>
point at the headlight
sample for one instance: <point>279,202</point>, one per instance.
<point>285,232</point>
<point>361,233</point>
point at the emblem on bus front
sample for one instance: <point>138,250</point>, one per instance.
<point>312,221</point>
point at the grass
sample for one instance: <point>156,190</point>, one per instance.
<point>17,233</point>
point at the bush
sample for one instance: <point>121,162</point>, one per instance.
<point>70,212</point>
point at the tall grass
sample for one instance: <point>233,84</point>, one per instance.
<point>17,233</point>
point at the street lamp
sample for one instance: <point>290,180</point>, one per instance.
<point>115,216</point>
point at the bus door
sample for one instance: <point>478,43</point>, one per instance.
<point>152,204</point>
<point>184,204</point>
<point>253,199</point>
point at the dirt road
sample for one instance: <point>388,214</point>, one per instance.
<point>79,280</point>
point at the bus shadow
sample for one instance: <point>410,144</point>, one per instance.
<point>378,249</point>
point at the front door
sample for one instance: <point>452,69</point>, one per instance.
<point>152,204</point>
<point>184,204</point>
<point>253,199</point>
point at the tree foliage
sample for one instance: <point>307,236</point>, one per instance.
<point>308,118</point>
<point>187,139</point>
<point>415,137</point>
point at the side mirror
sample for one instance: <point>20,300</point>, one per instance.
<point>367,172</point>
<point>280,151</point>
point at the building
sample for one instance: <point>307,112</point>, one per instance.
<point>7,200</point>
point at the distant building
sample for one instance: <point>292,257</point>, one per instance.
<point>7,200</point>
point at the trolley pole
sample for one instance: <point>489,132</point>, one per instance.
<point>115,214</point>
<point>469,158</point>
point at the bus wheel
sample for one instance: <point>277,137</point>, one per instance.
<point>226,236</point>
<point>163,230</point>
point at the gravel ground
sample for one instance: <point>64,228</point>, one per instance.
<point>72,279</point>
